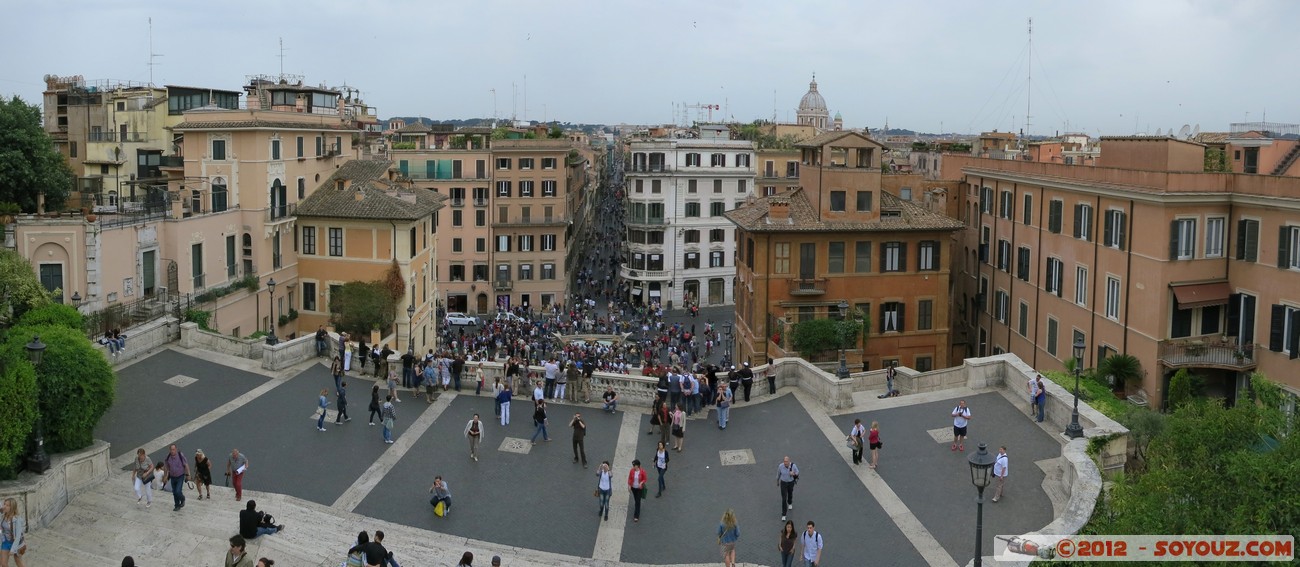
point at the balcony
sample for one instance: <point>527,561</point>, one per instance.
<point>652,168</point>
<point>457,202</point>
<point>533,221</point>
<point>1207,353</point>
<point>109,136</point>
<point>807,286</point>
<point>198,281</point>
<point>503,285</point>
<point>646,275</point>
<point>172,161</point>
<point>647,221</point>
<point>281,212</point>
<point>480,201</point>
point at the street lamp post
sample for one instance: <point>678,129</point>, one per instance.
<point>844,360</point>
<point>410,329</point>
<point>271,338</point>
<point>981,462</point>
<point>726,351</point>
<point>1074,430</point>
<point>38,461</point>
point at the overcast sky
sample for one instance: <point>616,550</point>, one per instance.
<point>1101,67</point>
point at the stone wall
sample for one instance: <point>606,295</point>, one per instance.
<point>142,339</point>
<point>194,337</point>
<point>288,353</point>
<point>42,496</point>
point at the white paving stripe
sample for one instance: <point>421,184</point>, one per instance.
<point>907,522</point>
<point>609,538</point>
<point>352,497</point>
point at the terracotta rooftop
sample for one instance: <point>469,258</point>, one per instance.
<point>830,137</point>
<point>753,217</point>
<point>1212,137</point>
<point>380,199</point>
<point>414,127</point>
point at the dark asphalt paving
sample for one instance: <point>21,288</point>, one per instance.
<point>935,482</point>
<point>145,407</point>
<point>542,500</point>
<point>681,527</point>
<point>286,453</point>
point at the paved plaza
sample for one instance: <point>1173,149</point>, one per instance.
<point>531,502</point>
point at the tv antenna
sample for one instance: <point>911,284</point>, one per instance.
<point>152,55</point>
<point>1029,77</point>
<point>1185,132</point>
<point>282,58</point>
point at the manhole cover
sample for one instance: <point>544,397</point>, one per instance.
<point>941,435</point>
<point>515,445</point>
<point>737,457</point>
<point>180,381</point>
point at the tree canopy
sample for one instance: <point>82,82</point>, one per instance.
<point>812,338</point>
<point>1211,469</point>
<point>22,291</point>
<point>362,306</point>
<point>29,164</point>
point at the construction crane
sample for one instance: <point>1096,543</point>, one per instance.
<point>700,110</point>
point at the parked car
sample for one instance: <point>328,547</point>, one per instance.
<point>455,318</point>
<point>509,317</point>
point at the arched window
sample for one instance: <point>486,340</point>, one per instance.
<point>220,196</point>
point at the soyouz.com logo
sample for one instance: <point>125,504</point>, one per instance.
<point>1145,547</point>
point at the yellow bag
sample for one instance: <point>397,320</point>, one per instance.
<point>439,509</point>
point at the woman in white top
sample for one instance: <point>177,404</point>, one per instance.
<point>142,478</point>
<point>604,486</point>
<point>678,428</point>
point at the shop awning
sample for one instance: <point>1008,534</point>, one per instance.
<point>1202,295</point>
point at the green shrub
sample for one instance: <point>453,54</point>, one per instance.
<point>75,384</point>
<point>53,314</point>
<point>1096,393</point>
<point>18,400</point>
<point>1180,389</point>
<point>199,316</point>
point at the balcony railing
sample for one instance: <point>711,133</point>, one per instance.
<point>480,201</point>
<point>458,202</point>
<point>503,285</point>
<point>198,282</point>
<point>807,286</point>
<point>109,136</point>
<point>281,212</point>
<point>639,274</point>
<point>1213,353</point>
<point>647,221</point>
<point>533,221</point>
<point>172,161</point>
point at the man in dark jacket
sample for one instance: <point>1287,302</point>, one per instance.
<point>253,524</point>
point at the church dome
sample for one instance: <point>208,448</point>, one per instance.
<point>813,101</point>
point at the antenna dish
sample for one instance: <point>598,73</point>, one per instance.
<point>1159,132</point>
<point>1196,130</point>
<point>1185,132</point>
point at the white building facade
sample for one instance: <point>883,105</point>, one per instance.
<point>679,249</point>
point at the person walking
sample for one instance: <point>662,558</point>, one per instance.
<point>441,494</point>
<point>724,405</point>
<point>236,466</point>
<point>178,471</point>
<point>474,433</point>
<point>503,400</point>
<point>811,542</point>
<point>785,543</point>
<point>336,370</point>
<point>142,478</point>
<point>374,403</point>
<point>1040,397</point>
<point>857,440</point>
<point>661,466</point>
<point>388,412</point>
<point>203,472</point>
<point>679,428</point>
<point>342,403</point>
<point>787,474</point>
<point>960,419</point>
<point>324,403</point>
<point>392,385</point>
<point>579,435</point>
<point>539,421</point>
<point>604,486</point>
<point>237,555</point>
<point>746,379</point>
<point>1000,472</point>
<point>636,483</point>
<point>873,438</point>
<point>728,534</point>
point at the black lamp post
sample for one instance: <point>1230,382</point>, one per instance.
<point>726,351</point>
<point>410,329</point>
<point>844,360</point>
<point>1074,430</point>
<point>271,338</point>
<point>981,463</point>
<point>38,461</point>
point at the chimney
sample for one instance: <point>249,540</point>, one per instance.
<point>778,209</point>
<point>359,194</point>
